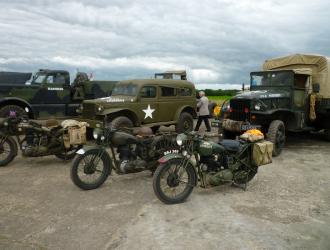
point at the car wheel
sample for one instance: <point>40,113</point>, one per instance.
<point>276,134</point>
<point>120,122</point>
<point>185,123</point>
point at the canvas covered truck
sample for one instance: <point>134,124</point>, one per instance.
<point>50,94</point>
<point>292,93</point>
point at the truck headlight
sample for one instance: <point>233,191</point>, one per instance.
<point>257,106</point>
<point>100,109</point>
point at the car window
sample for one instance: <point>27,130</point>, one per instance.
<point>185,92</point>
<point>167,91</point>
<point>148,92</point>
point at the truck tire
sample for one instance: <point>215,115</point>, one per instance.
<point>276,134</point>
<point>121,121</point>
<point>6,110</point>
<point>327,134</point>
<point>185,123</point>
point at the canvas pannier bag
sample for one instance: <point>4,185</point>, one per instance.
<point>262,153</point>
<point>76,132</point>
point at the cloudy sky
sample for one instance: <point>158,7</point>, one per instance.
<point>217,41</point>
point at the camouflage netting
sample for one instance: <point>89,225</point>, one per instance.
<point>315,65</point>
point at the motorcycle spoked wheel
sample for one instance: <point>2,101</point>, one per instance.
<point>89,171</point>
<point>173,182</point>
<point>8,150</point>
<point>69,154</point>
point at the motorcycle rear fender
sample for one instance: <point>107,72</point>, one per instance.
<point>171,156</point>
<point>85,149</point>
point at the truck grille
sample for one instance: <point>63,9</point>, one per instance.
<point>239,110</point>
<point>88,110</point>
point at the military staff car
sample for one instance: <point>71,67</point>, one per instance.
<point>292,93</point>
<point>150,102</point>
<point>50,94</point>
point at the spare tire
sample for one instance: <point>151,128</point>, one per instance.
<point>121,121</point>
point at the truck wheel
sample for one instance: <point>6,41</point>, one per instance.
<point>327,134</point>
<point>185,123</point>
<point>121,121</point>
<point>276,134</point>
<point>10,109</point>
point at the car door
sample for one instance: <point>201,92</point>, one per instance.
<point>147,105</point>
<point>55,96</point>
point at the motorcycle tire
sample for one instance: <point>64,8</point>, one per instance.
<point>172,181</point>
<point>89,170</point>
<point>68,155</point>
<point>9,143</point>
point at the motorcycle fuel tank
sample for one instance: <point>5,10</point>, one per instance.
<point>207,148</point>
<point>122,138</point>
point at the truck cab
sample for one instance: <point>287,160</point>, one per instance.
<point>285,96</point>
<point>50,94</point>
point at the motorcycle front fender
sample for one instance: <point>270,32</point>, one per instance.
<point>101,150</point>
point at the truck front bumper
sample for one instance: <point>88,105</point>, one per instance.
<point>238,126</point>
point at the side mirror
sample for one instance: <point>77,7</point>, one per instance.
<point>316,87</point>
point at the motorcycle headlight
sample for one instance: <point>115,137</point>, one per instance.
<point>180,139</point>
<point>97,132</point>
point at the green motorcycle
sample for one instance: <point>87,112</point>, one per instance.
<point>200,159</point>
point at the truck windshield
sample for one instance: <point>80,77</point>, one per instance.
<point>39,78</point>
<point>271,78</point>
<point>125,89</point>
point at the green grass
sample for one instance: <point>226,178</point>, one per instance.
<point>219,99</point>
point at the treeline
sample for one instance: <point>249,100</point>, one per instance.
<point>220,92</point>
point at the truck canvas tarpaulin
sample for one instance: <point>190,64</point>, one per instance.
<point>315,65</point>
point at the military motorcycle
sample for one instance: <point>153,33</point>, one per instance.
<point>130,153</point>
<point>200,159</point>
<point>34,139</point>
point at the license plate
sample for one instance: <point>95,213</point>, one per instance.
<point>245,127</point>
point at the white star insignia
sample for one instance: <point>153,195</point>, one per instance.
<point>148,112</point>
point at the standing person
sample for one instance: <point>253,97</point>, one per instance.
<point>203,114</point>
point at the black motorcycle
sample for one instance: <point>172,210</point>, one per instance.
<point>200,159</point>
<point>34,138</point>
<point>130,153</point>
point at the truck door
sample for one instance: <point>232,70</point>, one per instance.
<point>55,96</point>
<point>300,92</point>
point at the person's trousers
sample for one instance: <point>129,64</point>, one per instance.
<point>204,118</point>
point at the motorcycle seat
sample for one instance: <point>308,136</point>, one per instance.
<point>231,145</point>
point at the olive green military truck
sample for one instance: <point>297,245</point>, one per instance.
<point>149,102</point>
<point>50,94</point>
<point>292,93</point>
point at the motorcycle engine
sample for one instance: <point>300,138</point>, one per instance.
<point>36,145</point>
<point>215,169</point>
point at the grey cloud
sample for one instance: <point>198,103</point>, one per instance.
<point>216,41</point>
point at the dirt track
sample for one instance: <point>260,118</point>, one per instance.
<point>287,206</point>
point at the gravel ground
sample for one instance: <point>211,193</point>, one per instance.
<point>286,206</point>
